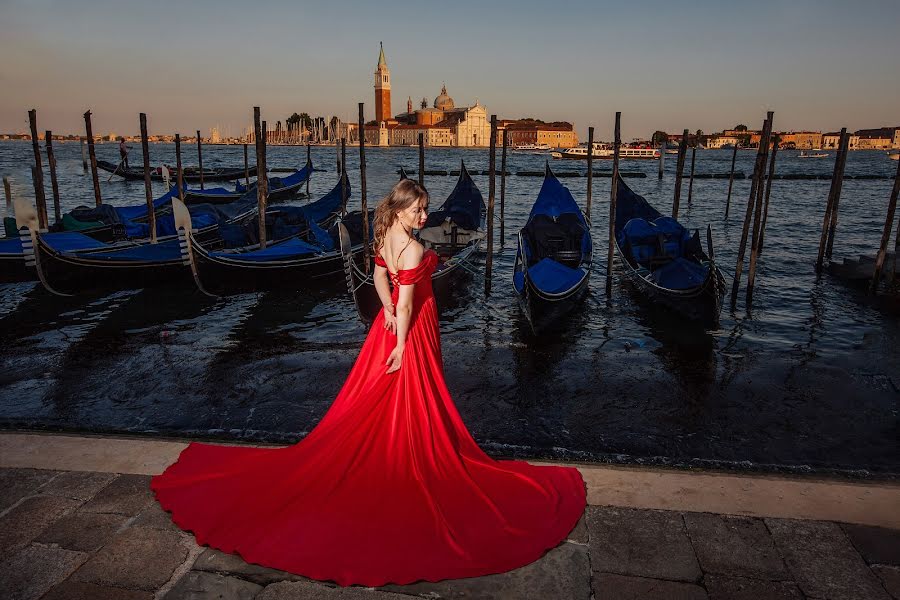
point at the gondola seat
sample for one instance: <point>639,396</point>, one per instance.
<point>560,239</point>
<point>680,274</point>
<point>550,276</point>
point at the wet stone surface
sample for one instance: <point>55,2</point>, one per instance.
<point>735,546</point>
<point>722,587</point>
<point>197,585</point>
<point>75,590</point>
<point>16,484</point>
<point>610,586</point>
<point>125,495</point>
<point>29,518</point>
<point>82,531</point>
<point>32,571</point>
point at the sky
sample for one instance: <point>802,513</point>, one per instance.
<point>667,65</point>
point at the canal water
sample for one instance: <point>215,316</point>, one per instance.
<point>808,381</point>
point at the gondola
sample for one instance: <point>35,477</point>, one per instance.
<point>104,223</point>
<point>190,174</point>
<point>280,188</point>
<point>70,262</point>
<point>302,250</point>
<point>665,262</point>
<point>554,256</point>
<point>454,231</point>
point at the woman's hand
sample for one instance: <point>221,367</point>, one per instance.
<point>390,319</point>
<point>394,360</point>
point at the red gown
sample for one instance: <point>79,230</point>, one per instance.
<point>390,487</point>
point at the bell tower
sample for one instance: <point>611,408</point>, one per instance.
<point>382,89</point>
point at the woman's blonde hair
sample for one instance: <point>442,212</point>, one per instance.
<point>406,193</point>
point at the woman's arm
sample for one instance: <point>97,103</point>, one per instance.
<point>404,309</point>
<point>384,294</point>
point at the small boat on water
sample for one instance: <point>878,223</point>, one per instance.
<point>302,251</point>
<point>554,256</point>
<point>665,262</point>
<point>604,151</point>
<point>805,154</point>
<point>280,188</point>
<point>531,148</point>
<point>190,174</point>
<point>70,262</point>
<point>894,156</point>
<point>454,231</point>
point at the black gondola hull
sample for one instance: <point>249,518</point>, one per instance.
<point>545,311</point>
<point>137,173</point>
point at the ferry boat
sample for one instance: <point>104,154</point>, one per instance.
<point>532,148</point>
<point>805,154</point>
<point>604,151</point>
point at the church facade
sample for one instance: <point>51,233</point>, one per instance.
<point>442,124</point>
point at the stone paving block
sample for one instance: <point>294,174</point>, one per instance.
<point>82,531</point>
<point>29,573</point>
<point>890,578</point>
<point>77,484</point>
<point>579,533</point>
<point>609,586</point>
<point>139,558</point>
<point>721,587</point>
<point>75,590</point>
<point>198,585</point>
<point>154,516</point>
<point>642,543</point>
<point>564,572</point>
<point>215,561</point>
<point>309,590</point>
<point>823,562</point>
<point>125,495</point>
<point>739,546</point>
<point>16,484</point>
<point>877,545</point>
<point>27,520</point>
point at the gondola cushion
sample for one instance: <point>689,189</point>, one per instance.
<point>70,241</point>
<point>292,248</point>
<point>552,277</point>
<point>546,236</point>
<point>680,274</point>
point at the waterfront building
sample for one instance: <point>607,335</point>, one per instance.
<point>831,141</point>
<point>525,132</point>
<point>442,124</point>
<point>882,138</point>
<point>722,141</point>
<point>801,140</point>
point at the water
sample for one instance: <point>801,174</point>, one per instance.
<point>809,381</point>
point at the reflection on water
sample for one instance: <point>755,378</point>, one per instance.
<point>808,379</point>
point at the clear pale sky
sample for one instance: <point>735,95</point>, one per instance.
<point>670,65</point>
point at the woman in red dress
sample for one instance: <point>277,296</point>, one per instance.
<point>390,487</point>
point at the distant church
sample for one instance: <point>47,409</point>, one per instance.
<point>441,125</point>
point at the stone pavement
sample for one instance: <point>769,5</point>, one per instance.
<point>95,535</point>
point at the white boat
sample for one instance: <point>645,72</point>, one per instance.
<point>805,154</point>
<point>604,151</point>
<point>894,156</point>
<point>532,148</point>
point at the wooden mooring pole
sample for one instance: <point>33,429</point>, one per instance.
<point>90,142</point>
<point>613,195</point>
<point>422,160</point>
<point>662,159</point>
<point>829,204</point>
<point>8,193</point>
<point>679,172</point>
<point>505,138</point>
<point>731,180</point>
<point>769,178</point>
<point>40,198</point>
<point>755,191</point>
<point>179,175</point>
<point>246,169</point>
<point>492,165</point>
<point>759,227</point>
<point>261,183</point>
<point>342,167</point>
<point>886,235</point>
<point>84,165</point>
<point>691,182</point>
<point>362,187</point>
<point>308,162</point>
<point>200,157</point>
<point>835,204</point>
<point>590,175</point>
<point>148,187</point>
<point>51,160</point>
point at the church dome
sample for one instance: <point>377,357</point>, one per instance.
<point>443,102</point>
